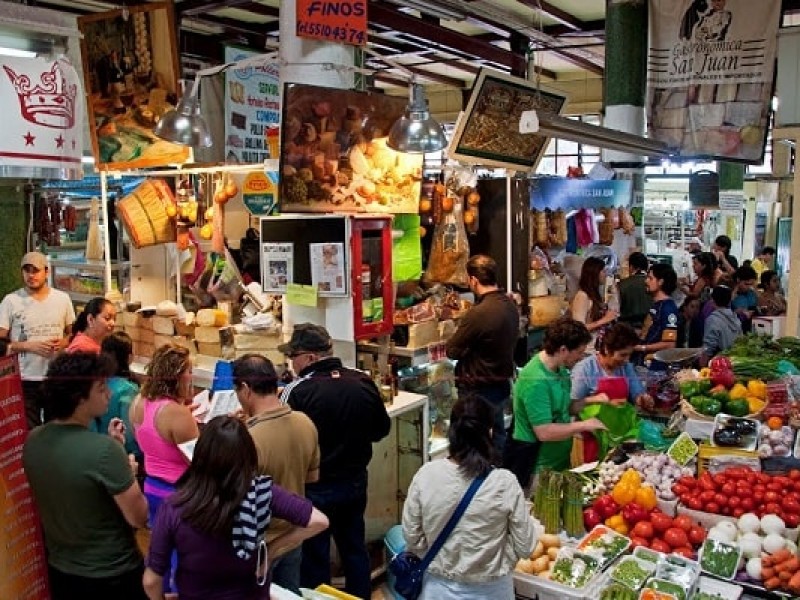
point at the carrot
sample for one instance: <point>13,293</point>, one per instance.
<point>794,583</point>
<point>767,573</point>
<point>767,562</point>
<point>785,575</point>
<point>781,555</point>
<point>793,564</point>
<point>773,583</point>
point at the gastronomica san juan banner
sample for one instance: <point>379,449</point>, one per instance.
<point>710,72</point>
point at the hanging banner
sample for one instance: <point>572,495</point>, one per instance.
<point>343,21</point>
<point>43,122</point>
<point>252,110</point>
<point>22,560</point>
<point>556,193</point>
<point>710,72</point>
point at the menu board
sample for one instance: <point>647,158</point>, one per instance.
<point>252,110</point>
<point>22,561</point>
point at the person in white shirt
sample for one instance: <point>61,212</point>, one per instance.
<point>36,320</point>
<point>496,530</point>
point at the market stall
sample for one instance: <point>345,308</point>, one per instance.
<point>706,505</point>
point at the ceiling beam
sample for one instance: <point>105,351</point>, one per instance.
<point>594,28</point>
<point>253,38</point>
<point>203,7</point>
<point>442,36</point>
<point>555,13</point>
<point>395,81</point>
<point>438,78</point>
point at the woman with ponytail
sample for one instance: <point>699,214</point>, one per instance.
<point>478,557</point>
<point>93,325</point>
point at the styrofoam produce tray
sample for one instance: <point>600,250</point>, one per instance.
<point>531,586</point>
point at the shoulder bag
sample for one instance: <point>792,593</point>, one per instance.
<point>408,569</point>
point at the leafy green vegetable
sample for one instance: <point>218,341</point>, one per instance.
<point>622,423</point>
<point>668,587</point>
<point>574,570</point>
<point>632,573</point>
<point>616,591</point>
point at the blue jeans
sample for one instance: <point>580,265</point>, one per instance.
<point>344,503</point>
<point>498,396</point>
<point>286,570</point>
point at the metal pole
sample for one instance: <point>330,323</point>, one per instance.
<point>107,280</point>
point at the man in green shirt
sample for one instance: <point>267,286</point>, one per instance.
<point>543,407</point>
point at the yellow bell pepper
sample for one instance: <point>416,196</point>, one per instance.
<point>755,404</point>
<point>757,388</point>
<point>738,392</point>
<point>646,497</point>
<point>624,493</point>
<point>631,476</point>
<point>618,524</point>
<point>705,373</point>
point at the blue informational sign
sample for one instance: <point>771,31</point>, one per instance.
<point>555,193</point>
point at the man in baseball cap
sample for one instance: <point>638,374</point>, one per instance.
<point>307,338</point>
<point>348,412</point>
<point>36,320</point>
<point>37,260</point>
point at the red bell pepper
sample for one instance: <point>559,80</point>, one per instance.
<point>605,506</point>
<point>591,518</point>
<point>633,513</point>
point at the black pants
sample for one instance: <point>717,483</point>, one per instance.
<point>32,395</point>
<point>127,586</point>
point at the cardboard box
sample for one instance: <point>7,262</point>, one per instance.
<point>772,326</point>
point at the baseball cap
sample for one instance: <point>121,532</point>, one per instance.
<point>34,259</point>
<point>307,337</point>
<point>695,240</point>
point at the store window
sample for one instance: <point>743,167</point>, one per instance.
<point>562,154</point>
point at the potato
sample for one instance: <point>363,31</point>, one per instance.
<point>538,551</point>
<point>552,553</point>
<point>524,565</point>
<point>550,540</point>
<point>544,574</point>
<point>540,564</point>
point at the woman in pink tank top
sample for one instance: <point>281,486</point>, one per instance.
<point>161,420</point>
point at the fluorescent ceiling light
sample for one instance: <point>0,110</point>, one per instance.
<point>16,52</point>
<point>434,10</point>
<point>556,126</point>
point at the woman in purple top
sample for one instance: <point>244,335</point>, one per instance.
<point>217,518</point>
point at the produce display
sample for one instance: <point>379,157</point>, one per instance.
<point>721,500</point>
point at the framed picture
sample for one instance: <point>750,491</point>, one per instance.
<point>488,131</point>
<point>130,70</point>
<point>334,156</point>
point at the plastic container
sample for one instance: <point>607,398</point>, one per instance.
<point>749,442</point>
<point>682,440</point>
<point>647,568</point>
<point>587,545</point>
<point>720,547</point>
<point>706,452</point>
<point>531,586</point>
<point>726,590</point>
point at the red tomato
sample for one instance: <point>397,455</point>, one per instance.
<point>792,520</point>
<point>682,522</point>
<point>676,537</point>
<point>737,512</point>
<point>772,508</point>
<point>660,546</point>
<point>772,496</point>
<point>637,541</point>
<point>794,474</point>
<point>712,507</point>
<point>747,504</point>
<point>706,482</point>
<point>643,529</point>
<point>758,496</point>
<point>774,486</point>
<point>721,499</point>
<point>790,505</point>
<point>734,502</point>
<point>796,486</point>
<point>691,482</point>
<point>764,478</point>
<point>744,490</point>
<point>694,503</point>
<point>720,480</point>
<point>697,535</point>
<point>679,490</point>
<point>684,551</point>
<point>728,489</point>
<point>661,522</point>
<point>707,496</point>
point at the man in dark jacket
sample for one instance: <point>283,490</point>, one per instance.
<point>484,342</point>
<point>634,301</point>
<point>347,409</point>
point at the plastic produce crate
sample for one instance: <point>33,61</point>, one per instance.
<point>531,586</point>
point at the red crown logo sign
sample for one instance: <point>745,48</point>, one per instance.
<point>51,103</point>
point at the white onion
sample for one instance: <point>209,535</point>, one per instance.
<point>772,524</point>
<point>754,568</point>
<point>749,523</point>
<point>774,542</point>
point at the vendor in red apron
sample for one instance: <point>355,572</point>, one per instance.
<point>609,377</point>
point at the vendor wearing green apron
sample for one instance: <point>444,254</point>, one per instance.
<point>543,407</point>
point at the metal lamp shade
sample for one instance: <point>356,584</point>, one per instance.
<point>416,132</point>
<point>185,125</point>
